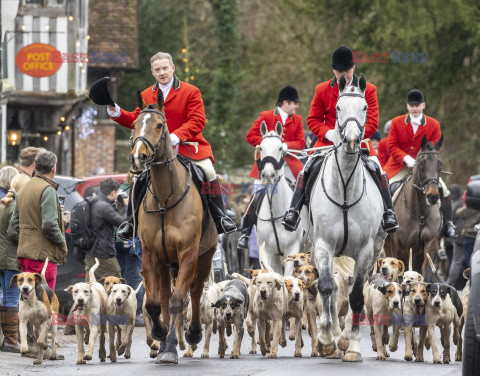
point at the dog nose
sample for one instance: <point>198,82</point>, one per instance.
<point>296,263</point>
<point>396,304</point>
<point>25,288</point>
<point>418,300</point>
<point>80,300</point>
<point>437,304</point>
<point>263,294</point>
<point>384,269</point>
<point>297,296</point>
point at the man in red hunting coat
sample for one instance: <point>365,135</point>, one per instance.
<point>404,143</point>
<point>185,116</point>
<point>382,151</point>
<point>292,137</point>
<point>321,121</point>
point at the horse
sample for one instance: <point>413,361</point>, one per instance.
<point>417,208</point>
<point>275,203</point>
<point>170,230</point>
<point>346,210</point>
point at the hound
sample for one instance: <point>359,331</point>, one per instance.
<point>232,308</point>
<point>411,276</point>
<point>443,308</point>
<point>414,315</point>
<point>89,309</point>
<point>210,295</point>
<point>121,310</point>
<point>295,307</point>
<point>390,268</point>
<point>383,303</point>
<point>108,282</point>
<point>464,298</point>
<point>298,259</point>
<point>38,304</point>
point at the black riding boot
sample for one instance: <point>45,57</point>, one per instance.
<point>389,223</point>
<point>215,203</point>
<point>250,219</point>
<point>448,229</point>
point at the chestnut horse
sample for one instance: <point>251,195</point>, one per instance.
<point>418,211</point>
<point>170,229</point>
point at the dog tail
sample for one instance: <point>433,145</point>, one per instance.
<point>44,270</point>
<point>344,265</point>
<point>434,270</point>
<point>242,278</point>
<point>138,287</point>
<point>91,272</point>
<point>410,263</point>
<point>261,253</point>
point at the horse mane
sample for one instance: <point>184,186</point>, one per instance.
<point>272,134</point>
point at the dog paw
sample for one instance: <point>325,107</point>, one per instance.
<point>204,355</point>
<point>283,343</point>
<point>87,357</point>
<point>127,355</point>
<point>221,356</point>
<point>458,357</point>
<point>37,361</point>
<point>446,359</point>
<point>234,356</point>
<point>253,351</point>
<point>188,354</point>
<point>314,354</point>
<point>153,354</point>
<point>121,349</point>
<point>291,337</point>
<point>393,348</point>
<point>437,360</point>
<point>81,361</point>
<point>272,356</point>
<point>419,359</point>
<point>408,358</point>
<point>113,359</point>
<point>181,346</point>
<point>381,357</point>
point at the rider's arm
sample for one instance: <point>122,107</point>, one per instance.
<point>299,142</point>
<point>254,137</point>
<point>372,112</point>
<point>126,118</point>
<point>394,143</point>
<point>316,117</point>
<point>195,117</point>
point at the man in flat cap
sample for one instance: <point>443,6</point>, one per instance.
<point>321,121</point>
<point>404,143</point>
<point>292,138</point>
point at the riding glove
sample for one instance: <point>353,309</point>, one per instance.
<point>174,139</point>
<point>284,146</point>
<point>409,161</point>
<point>114,113</point>
<point>330,135</point>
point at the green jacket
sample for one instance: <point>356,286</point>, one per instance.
<point>37,220</point>
<point>8,247</point>
<point>472,218</point>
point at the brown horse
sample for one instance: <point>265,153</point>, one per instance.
<point>417,210</point>
<point>170,229</point>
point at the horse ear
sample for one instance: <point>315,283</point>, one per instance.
<point>424,142</point>
<point>342,83</point>
<point>160,102</point>
<point>362,83</point>
<point>140,102</point>
<point>439,144</point>
<point>279,128</point>
<point>263,128</point>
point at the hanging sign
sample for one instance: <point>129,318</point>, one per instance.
<point>38,60</point>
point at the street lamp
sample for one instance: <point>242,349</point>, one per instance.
<point>14,136</point>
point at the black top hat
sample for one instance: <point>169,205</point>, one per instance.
<point>288,93</point>
<point>342,59</point>
<point>415,97</point>
<point>99,93</point>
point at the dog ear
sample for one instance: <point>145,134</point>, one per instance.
<point>13,281</point>
<point>309,254</point>
<point>238,303</point>
<point>467,273</point>
<point>379,262</point>
<point>38,278</point>
<point>316,273</point>
<point>216,304</point>
<point>69,289</point>
<point>383,289</point>
<point>123,281</point>
<point>101,280</point>
<point>427,287</point>
<point>278,284</point>
<point>249,271</point>
<point>402,267</point>
<point>405,289</point>
<point>253,281</point>
<point>287,259</point>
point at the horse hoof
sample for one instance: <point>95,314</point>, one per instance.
<point>326,350</point>
<point>167,358</point>
<point>193,335</point>
<point>352,356</point>
<point>159,333</point>
<point>343,343</point>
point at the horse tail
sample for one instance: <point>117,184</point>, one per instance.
<point>434,270</point>
<point>345,265</point>
<point>410,261</point>
<point>91,272</point>
<point>44,270</point>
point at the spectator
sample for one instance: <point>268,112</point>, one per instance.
<point>472,218</point>
<point>27,160</point>
<point>133,267</point>
<point>375,138</point>
<point>104,221</point>
<point>457,266</point>
<point>8,268</point>
<point>7,173</point>
<point>37,221</point>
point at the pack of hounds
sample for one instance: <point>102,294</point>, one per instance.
<point>267,303</point>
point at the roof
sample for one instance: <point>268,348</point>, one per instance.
<point>113,30</point>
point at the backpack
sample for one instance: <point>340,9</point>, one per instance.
<point>82,233</point>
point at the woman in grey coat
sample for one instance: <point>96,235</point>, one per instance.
<point>8,268</point>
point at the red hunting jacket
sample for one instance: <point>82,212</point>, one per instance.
<point>382,152</point>
<point>292,135</point>
<point>323,111</point>
<point>402,141</point>
<point>185,116</point>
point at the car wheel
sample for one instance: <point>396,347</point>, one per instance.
<point>471,346</point>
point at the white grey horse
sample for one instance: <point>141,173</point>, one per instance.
<point>347,213</point>
<point>275,203</point>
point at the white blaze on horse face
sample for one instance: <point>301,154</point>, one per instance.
<point>271,146</point>
<point>142,133</point>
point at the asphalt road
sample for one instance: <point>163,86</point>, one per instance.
<point>141,364</point>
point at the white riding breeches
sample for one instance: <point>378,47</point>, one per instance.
<point>207,166</point>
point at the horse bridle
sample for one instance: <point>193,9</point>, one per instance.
<point>342,126</point>
<point>277,165</point>
<point>424,182</point>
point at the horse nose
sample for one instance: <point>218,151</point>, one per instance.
<point>142,158</point>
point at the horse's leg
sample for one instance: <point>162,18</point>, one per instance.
<point>326,285</point>
<point>356,299</point>
<point>204,265</point>
<point>187,260</point>
<point>152,303</point>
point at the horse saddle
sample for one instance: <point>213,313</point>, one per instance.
<point>397,184</point>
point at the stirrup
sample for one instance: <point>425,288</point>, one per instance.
<point>226,225</point>
<point>391,226</point>
<point>449,230</point>
<point>125,231</point>
<point>291,220</point>
<point>243,241</point>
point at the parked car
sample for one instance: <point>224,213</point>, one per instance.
<point>471,344</point>
<point>91,184</point>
